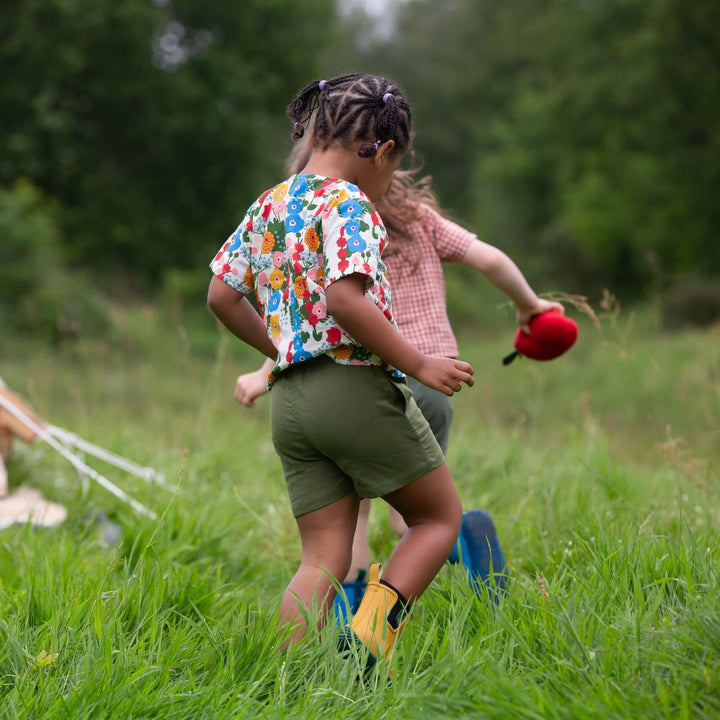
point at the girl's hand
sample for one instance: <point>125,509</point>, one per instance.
<point>444,374</point>
<point>250,386</point>
<point>541,306</point>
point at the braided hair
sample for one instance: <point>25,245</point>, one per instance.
<point>350,108</point>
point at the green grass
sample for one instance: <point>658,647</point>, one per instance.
<point>600,469</point>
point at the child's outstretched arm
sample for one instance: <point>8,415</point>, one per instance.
<point>236,313</point>
<point>252,385</point>
<point>365,322</point>
<point>505,275</point>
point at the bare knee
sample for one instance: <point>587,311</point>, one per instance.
<point>336,564</point>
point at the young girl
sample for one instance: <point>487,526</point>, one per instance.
<point>421,239</point>
<point>343,419</point>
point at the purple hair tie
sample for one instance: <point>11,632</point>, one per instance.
<point>322,84</point>
<point>297,125</point>
<point>378,143</point>
<point>387,96</point>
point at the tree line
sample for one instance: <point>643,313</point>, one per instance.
<point>579,135</point>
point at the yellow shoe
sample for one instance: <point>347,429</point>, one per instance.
<point>370,623</point>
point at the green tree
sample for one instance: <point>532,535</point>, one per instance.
<point>152,124</point>
<point>581,135</point>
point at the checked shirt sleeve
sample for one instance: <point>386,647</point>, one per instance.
<point>450,239</point>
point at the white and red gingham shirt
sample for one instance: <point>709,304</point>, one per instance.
<point>414,270</point>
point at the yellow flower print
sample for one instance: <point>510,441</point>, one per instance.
<point>249,278</point>
<point>321,277</point>
<point>274,326</point>
<point>276,279</point>
<point>268,242</point>
<point>342,352</point>
<point>300,287</point>
<point>337,199</point>
<point>280,192</point>
<point>311,239</point>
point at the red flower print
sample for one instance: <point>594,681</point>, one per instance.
<point>312,319</point>
<point>249,225</point>
<point>343,265</point>
<point>333,336</point>
<point>226,268</point>
<point>218,256</point>
<point>342,253</point>
<point>266,211</point>
<point>309,306</point>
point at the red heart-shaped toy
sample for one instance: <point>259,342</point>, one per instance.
<point>551,334</point>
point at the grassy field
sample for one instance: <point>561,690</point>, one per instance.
<point>601,469</point>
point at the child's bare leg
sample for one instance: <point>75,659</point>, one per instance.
<point>432,510</point>
<point>360,548</point>
<point>397,524</point>
<point>327,536</point>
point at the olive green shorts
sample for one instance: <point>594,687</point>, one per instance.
<point>339,428</point>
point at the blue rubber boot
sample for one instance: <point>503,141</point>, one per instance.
<point>460,552</point>
<point>481,552</point>
<point>348,601</point>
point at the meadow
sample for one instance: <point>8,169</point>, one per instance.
<point>601,470</point>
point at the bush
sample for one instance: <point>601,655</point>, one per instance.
<point>39,296</point>
<point>691,302</point>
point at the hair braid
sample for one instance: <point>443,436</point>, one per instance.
<point>351,108</point>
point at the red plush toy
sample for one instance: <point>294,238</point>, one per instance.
<point>551,334</point>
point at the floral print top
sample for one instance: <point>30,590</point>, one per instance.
<point>295,240</point>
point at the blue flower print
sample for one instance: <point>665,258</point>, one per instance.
<point>356,244</point>
<point>350,208</point>
<point>301,355</point>
<point>236,241</point>
<point>352,227</point>
<point>299,187</point>
<point>274,301</point>
<point>294,207</point>
<point>293,223</point>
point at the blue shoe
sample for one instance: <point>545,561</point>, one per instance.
<point>348,601</point>
<point>480,551</point>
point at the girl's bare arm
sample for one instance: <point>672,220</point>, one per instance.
<point>236,313</point>
<point>365,322</point>
<point>506,276</point>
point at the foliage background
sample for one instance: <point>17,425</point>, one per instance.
<point>581,136</point>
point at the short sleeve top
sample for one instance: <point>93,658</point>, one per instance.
<point>295,240</point>
<point>416,276</point>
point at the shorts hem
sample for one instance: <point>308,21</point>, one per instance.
<point>409,476</point>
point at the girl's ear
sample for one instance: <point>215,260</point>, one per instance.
<point>383,151</point>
